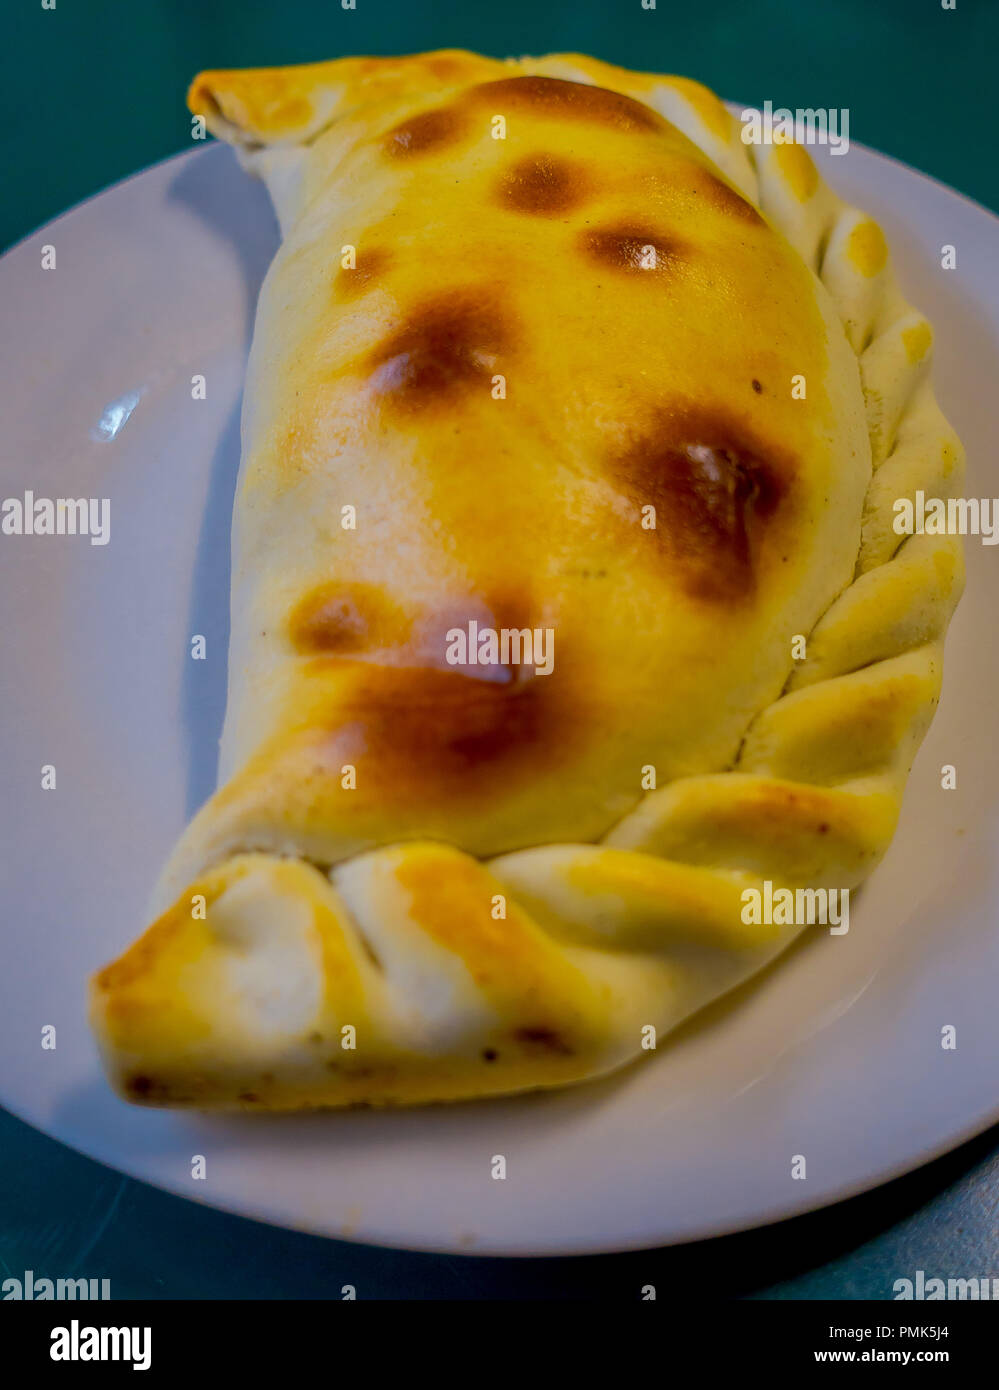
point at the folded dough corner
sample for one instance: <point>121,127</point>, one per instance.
<point>546,348</point>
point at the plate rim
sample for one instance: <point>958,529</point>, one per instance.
<point>484,1248</point>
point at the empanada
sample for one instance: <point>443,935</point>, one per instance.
<point>549,350</point>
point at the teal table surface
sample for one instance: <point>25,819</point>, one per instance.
<point>92,92</point>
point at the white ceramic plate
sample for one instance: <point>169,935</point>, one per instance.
<point>834,1054</point>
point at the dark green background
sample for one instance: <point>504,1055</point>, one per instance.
<point>93,91</point>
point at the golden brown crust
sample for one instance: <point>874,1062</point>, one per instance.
<point>644,289</point>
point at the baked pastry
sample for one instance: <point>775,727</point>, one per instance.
<point>547,350</point>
